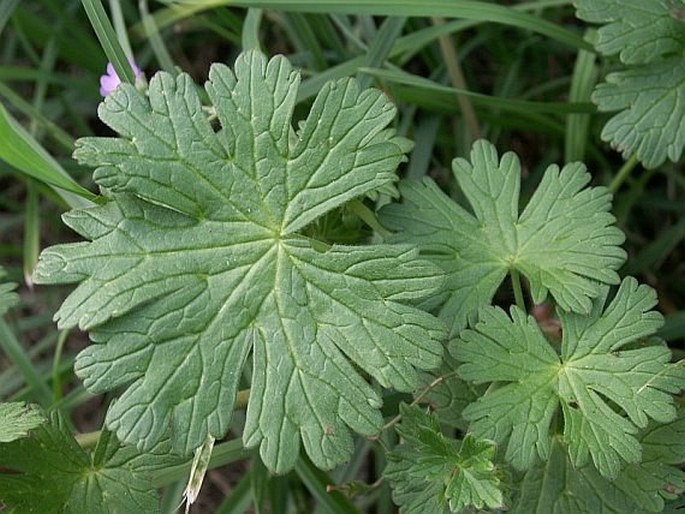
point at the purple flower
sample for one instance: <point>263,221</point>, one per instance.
<point>111,80</point>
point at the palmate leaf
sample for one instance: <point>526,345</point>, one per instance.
<point>429,472</point>
<point>48,472</point>
<point>649,37</point>
<point>606,385</point>
<point>196,265</point>
<point>563,241</point>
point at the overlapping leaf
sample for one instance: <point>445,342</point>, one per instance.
<point>49,472</point>
<point>638,31</point>
<point>16,419</point>
<point>606,385</point>
<point>432,473</point>
<point>8,298</point>
<point>563,241</point>
<point>196,265</point>
<point>560,487</point>
<point>649,37</point>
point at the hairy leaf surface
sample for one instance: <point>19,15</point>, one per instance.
<point>195,266</point>
<point>563,241</point>
<point>606,384</point>
<point>432,473</point>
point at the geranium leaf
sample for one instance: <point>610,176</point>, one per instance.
<point>16,419</point>
<point>606,386</point>
<point>651,101</point>
<point>48,472</point>
<point>649,37</point>
<point>432,473</point>
<point>563,241</point>
<point>559,486</point>
<point>195,266</point>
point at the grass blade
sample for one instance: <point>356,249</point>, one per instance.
<point>21,150</point>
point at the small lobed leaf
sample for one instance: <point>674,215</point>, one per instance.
<point>649,93</point>
<point>48,472</point>
<point>430,473</point>
<point>564,241</point>
<point>651,101</point>
<point>607,385</point>
<point>17,419</point>
<point>639,32</point>
<point>197,265</point>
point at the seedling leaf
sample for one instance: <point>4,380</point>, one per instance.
<point>606,385</point>
<point>196,265</point>
<point>563,241</point>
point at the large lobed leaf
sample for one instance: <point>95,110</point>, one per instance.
<point>563,241</point>
<point>196,265</point>
<point>606,384</point>
<point>649,37</point>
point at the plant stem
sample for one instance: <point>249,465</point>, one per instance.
<point>420,396</point>
<point>447,47</point>
<point>518,290</point>
<point>623,173</point>
<point>56,382</point>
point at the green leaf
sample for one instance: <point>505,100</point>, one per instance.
<point>606,383</point>
<point>432,473</point>
<point>563,242</point>
<point>48,472</point>
<point>16,419</point>
<point>196,263</point>
<point>651,101</point>
<point>638,31</point>
<point>650,38</point>
<point>21,150</point>
<point>560,487</point>
<point>8,297</point>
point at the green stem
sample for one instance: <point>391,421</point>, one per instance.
<point>449,53</point>
<point>120,27</point>
<point>623,173</point>
<point>518,290</point>
<point>56,382</point>
<point>368,217</point>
